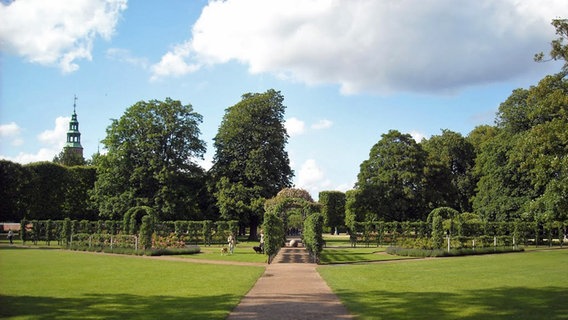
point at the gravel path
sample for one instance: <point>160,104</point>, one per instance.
<point>290,288</point>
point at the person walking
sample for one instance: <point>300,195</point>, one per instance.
<point>231,241</point>
<point>262,241</point>
<point>11,236</point>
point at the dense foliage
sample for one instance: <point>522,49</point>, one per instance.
<point>312,235</point>
<point>151,161</point>
<point>332,208</point>
<point>250,162</point>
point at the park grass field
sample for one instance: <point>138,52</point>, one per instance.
<point>529,285</point>
<point>243,253</point>
<point>339,255</point>
<point>58,284</point>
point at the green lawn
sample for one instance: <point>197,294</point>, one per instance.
<point>243,253</point>
<point>355,255</point>
<point>57,284</point>
<point>529,285</point>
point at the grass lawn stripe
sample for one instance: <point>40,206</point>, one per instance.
<point>530,285</point>
<point>55,284</point>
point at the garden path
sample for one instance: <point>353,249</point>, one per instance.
<point>290,288</point>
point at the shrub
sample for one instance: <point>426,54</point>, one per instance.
<point>273,234</point>
<point>423,253</point>
<point>146,231</point>
<point>312,236</point>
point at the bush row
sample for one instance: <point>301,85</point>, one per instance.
<point>424,253</point>
<point>191,232</point>
<point>393,233</point>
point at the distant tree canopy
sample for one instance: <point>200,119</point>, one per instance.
<point>332,208</point>
<point>68,157</point>
<point>151,161</point>
<point>250,162</point>
<point>516,169</point>
<point>524,169</point>
<point>392,179</point>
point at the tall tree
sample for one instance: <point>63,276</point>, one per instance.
<point>451,158</point>
<point>250,162</point>
<point>523,168</point>
<point>332,208</point>
<point>77,204</point>
<point>151,161</point>
<point>392,179</point>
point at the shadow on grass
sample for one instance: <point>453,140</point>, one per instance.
<point>499,303</point>
<point>117,306</point>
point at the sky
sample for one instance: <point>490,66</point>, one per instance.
<point>349,70</point>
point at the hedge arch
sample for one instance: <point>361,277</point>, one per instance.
<point>133,218</point>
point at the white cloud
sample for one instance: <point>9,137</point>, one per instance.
<point>207,162</point>
<point>52,142</point>
<point>57,32</point>
<point>295,126</point>
<point>175,63</point>
<point>58,135</point>
<point>43,154</point>
<point>312,178</point>
<point>322,124</point>
<point>377,46</point>
<point>345,187</point>
<point>417,136</point>
<point>11,132</point>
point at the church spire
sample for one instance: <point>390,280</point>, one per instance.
<point>73,135</point>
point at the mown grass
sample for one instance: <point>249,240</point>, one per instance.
<point>243,253</point>
<point>58,284</point>
<point>355,255</point>
<point>529,285</point>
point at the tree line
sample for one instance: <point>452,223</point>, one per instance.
<point>514,169</point>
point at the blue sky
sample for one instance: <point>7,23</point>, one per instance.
<point>349,70</point>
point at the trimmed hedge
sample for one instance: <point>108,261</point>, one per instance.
<point>424,253</point>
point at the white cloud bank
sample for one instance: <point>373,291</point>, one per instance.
<point>51,141</point>
<point>10,134</point>
<point>57,32</point>
<point>372,46</point>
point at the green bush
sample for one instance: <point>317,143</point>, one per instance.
<point>146,231</point>
<point>273,228</point>
<point>312,236</point>
<point>423,253</point>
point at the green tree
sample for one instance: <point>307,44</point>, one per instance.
<point>392,179</point>
<point>68,157</point>
<point>502,190</point>
<point>559,48</point>
<point>151,160</point>
<point>332,208</point>
<point>77,204</point>
<point>250,162</point>
<point>354,212</point>
<point>449,173</point>
<point>523,167</point>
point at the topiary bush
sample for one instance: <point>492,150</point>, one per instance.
<point>273,228</point>
<point>312,236</point>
